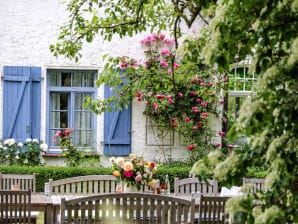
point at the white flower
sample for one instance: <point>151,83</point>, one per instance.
<point>35,140</point>
<point>26,161</point>
<point>119,161</point>
<point>9,141</point>
<point>112,159</point>
<point>44,147</point>
<point>17,156</point>
<point>20,144</point>
<point>28,140</point>
<point>42,161</point>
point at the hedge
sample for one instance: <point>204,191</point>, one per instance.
<point>44,173</point>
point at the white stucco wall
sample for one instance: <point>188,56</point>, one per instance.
<point>27,28</point>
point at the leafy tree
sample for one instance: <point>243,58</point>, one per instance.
<point>264,30</point>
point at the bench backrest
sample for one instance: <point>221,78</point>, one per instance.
<point>258,184</point>
<point>25,181</point>
<point>90,184</point>
<point>128,208</point>
<point>190,185</point>
<point>212,210</point>
<point>15,206</point>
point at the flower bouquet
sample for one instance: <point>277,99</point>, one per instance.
<point>133,171</point>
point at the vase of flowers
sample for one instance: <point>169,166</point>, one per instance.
<point>134,172</point>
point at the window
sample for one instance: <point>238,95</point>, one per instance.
<point>67,91</point>
<point>241,85</point>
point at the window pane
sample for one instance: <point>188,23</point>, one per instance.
<point>77,79</point>
<point>65,79</point>
<point>89,79</point>
<point>80,100</point>
<point>54,78</point>
<point>59,101</point>
<point>83,120</point>
<point>59,110</point>
<point>83,138</point>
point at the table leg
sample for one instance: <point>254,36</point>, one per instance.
<point>49,218</point>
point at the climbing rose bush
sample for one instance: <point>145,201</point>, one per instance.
<point>178,94</point>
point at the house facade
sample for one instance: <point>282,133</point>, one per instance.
<point>41,94</point>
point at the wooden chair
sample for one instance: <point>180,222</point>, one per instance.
<point>128,208</point>
<point>258,184</point>
<point>15,207</point>
<point>25,181</point>
<point>212,210</point>
<point>192,185</point>
<point>85,185</point>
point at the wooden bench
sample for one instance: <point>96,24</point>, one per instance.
<point>15,207</point>
<point>258,184</point>
<point>24,181</point>
<point>85,185</point>
<point>190,185</point>
<point>128,208</point>
<point>212,210</point>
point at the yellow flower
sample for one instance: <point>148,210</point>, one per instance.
<point>152,182</point>
<point>116,173</point>
<point>127,166</point>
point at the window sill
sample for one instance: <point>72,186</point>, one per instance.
<point>57,154</point>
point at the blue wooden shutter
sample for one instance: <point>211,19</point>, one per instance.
<point>21,102</point>
<point>117,130</point>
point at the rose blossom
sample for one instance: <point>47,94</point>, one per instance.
<point>222,133</point>
<point>128,165</point>
<point>155,106</point>
<point>128,173</point>
<point>230,146</point>
<point>190,147</point>
<point>116,173</point>
<point>204,115</point>
<point>187,119</point>
<point>165,52</point>
<point>120,161</point>
<point>138,178</point>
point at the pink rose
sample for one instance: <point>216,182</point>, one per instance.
<point>222,133</point>
<point>230,146</point>
<point>187,119</point>
<point>190,147</point>
<point>152,165</point>
<point>173,119</point>
<point>138,178</point>
<point>217,145</point>
<point>155,106</point>
<point>175,65</point>
<point>204,115</point>
<point>165,52</point>
<point>193,93</point>
<point>180,95</point>
<point>164,63</point>
<point>128,173</point>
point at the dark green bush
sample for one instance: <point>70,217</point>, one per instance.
<point>44,173</point>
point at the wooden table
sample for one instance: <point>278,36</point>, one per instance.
<point>50,205</point>
<point>41,202</point>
